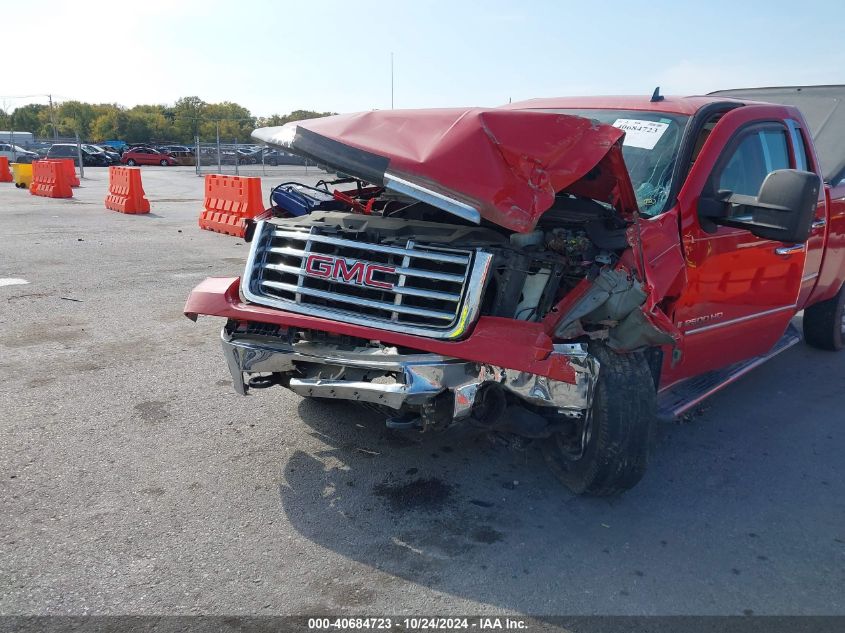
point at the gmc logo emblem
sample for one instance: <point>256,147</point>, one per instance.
<point>347,270</point>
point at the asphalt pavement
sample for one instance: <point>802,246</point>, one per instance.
<point>135,481</point>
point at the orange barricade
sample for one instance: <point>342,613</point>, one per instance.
<point>229,202</point>
<point>49,180</point>
<point>70,170</point>
<point>126,194</point>
<point>5,174</point>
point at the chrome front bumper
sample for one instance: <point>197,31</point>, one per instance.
<point>380,375</point>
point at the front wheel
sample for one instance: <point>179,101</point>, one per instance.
<point>824,323</point>
<point>163,163</point>
<point>131,162</point>
<point>609,451</point>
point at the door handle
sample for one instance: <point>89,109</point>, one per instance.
<point>819,224</point>
<point>786,251</point>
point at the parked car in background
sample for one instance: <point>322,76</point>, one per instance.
<point>114,157</point>
<point>115,145</point>
<point>132,146</point>
<point>40,149</point>
<point>248,156</point>
<point>177,150</point>
<point>276,157</point>
<point>112,153</point>
<point>183,154</point>
<point>146,156</point>
<point>16,153</point>
<point>69,150</point>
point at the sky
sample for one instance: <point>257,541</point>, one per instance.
<point>327,55</point>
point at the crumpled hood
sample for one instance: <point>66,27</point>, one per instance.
<point>501,165</point>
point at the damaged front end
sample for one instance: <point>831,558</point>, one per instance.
<point>415,389</point>
<point>466,277</point>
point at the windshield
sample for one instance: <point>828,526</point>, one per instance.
<point>650,148</point>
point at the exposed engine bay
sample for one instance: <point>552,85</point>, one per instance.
<point>576,240</point>
<point>360,256</point>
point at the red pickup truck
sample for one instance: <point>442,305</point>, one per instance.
<point>569,270</point>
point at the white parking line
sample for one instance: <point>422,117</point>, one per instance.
<point>12,281</point>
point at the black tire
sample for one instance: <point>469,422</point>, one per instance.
<point>131,162</point>
<point>162,162</point>
<point>621,429</point>
<point>824,323</point>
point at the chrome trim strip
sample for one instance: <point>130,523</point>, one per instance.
<point>429,274</point>
<point>401,270</point>
<point>254,248</point>
<point>287,250</point>
<point>423,194</point>
<point>426,294</point>
<point>809,277</point>
<point>749,317</point>
<point>369,303</point>
<point>790,250</point>
<point>819,224</point>
<point>377,248</point>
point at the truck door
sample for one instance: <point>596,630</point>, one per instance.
<point>742,290</point>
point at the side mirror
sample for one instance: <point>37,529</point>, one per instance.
<point>783,209</point>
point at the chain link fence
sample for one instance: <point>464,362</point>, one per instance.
<point>245,159</point>
<point>24,145</point>
<point>216,157</point>
<point>24,148</point>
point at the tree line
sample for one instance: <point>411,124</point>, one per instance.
<point>182,122</point>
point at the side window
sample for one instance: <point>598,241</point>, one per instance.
<point>703,135</point>
<point>800,149</point>
<point>759,152</point>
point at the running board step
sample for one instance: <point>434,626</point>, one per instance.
<point>679,399</point>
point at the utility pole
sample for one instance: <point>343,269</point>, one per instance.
<point>391,80</point>
<point>219,166</point>
<point>52,119</point>
<point>79,156</point>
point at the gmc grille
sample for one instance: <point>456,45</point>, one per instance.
<point>418,289</point>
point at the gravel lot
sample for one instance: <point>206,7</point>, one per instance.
<point>134,480</point>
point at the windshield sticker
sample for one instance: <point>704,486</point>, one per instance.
<point>642,134</point>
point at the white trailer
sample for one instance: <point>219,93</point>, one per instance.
<point>16,138</point>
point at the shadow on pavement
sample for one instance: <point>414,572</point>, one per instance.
<point>741,506</point>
